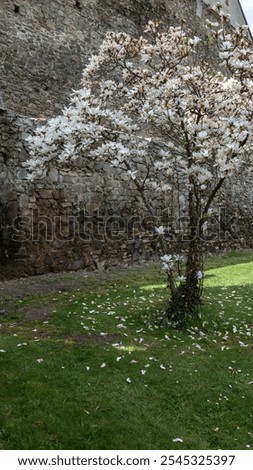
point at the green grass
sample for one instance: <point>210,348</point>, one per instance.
<point>193,385</point>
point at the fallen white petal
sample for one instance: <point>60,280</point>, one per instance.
<point>243,345</point>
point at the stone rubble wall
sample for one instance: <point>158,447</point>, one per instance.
<point>44,45</point>
<point>70,221</point>
<point>90,220</point>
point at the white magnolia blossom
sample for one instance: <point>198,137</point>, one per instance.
<point>169,261</point>
<point>181,278</point>
<point>208,114</point>
<point>132,174</point>
<point>200,275</point>
<point>167,258</point>
<point>160,230</point>
<point>150,101</point>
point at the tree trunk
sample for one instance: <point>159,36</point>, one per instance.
<point>186,297</point>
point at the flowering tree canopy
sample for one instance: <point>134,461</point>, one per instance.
<point>155,99</point>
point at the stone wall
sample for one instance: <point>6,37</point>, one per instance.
<point>45,44</point>
<point>70,221</point>
<point>93,219</point>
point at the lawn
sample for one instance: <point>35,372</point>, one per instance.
<point>94,370</point>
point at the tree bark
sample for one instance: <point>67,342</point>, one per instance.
<point>186,298</point>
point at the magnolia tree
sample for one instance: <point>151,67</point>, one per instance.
<point>155,100</point>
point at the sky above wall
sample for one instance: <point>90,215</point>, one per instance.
<point>247,6</point>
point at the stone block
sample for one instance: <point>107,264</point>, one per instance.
<point>22,173</point>
<point>12,210</point>
<point>77,264</point>
<point>56,194</point>
<point>11,196</point>
<point>23,201</point>
<point>53,174</point>
<point>46,194</point>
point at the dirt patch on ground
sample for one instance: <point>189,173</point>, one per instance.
<point>93,337</point>
<point>20,288</point>
<point>23,295</point>
<point>38,313</point>
<point>13,292</point>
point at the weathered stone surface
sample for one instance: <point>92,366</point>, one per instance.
<point>70,221</point>
<point>45,45</point>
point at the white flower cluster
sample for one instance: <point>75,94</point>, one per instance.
<point>147,101</point>
<point>169,261</point>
